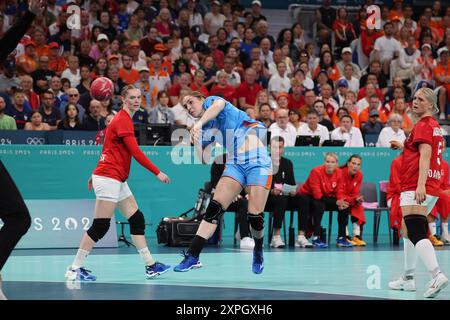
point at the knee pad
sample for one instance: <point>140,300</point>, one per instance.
<point>256,221</point>
<point>137,223</point>
<point>416,226</point>
<point>213,212</point>
<point>99,228</point>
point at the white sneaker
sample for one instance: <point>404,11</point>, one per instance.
<point>277,242</point>
<point>436,285</point>
<point>2,296</point>
<point>302,242</point>
<point>442,116</point>
<point>403,284</point>
<point>247,243</point>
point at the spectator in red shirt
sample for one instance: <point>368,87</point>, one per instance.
<point>246,92</point>
<point>223,89</point>
<point>216,53</point>
<point>296,98</point>
<point>174,91</point>
<point>199,83</point>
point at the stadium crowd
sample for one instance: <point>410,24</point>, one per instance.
<point>341,81</point>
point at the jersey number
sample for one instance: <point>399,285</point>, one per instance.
<point>439,152</point>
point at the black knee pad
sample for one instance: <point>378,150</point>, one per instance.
<point>213,212</point>
<point>256,221</point>
<point>99,228</point>
<point>416,225</point>
<point>137,223</point>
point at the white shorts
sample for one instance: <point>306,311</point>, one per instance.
<point>109,189</point>
<point>407,199</point>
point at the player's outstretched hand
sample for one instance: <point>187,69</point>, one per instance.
<point>37,6</point>
<point>163,177</point>
<point>196,131</point>
<point>90,184</point>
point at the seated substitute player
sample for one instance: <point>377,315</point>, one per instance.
<point>111,190</point>
<point>248,165</point>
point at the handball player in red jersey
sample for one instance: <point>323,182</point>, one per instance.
<point>420,175</point>
<point>111,189</point>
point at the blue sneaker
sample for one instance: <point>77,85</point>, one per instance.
<point>189,262</point>
<point>258,262</point>
<point>343,242</point>
<point>80,274</point>
<point>317,243</point>
<point>156,269</point>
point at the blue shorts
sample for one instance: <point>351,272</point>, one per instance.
<point>249,174</point>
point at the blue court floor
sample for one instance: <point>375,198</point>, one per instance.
<point>289,274</point>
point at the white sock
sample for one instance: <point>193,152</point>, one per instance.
<point>444,229</point>
<point>425,251</point>
<point>346,231</point>
<point>356,229</point>
<point>410,257</point>
<point>78,262</point>
<point>146,256</point>
<point>432,226</point>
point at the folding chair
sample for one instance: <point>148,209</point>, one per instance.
<point>369,191</point>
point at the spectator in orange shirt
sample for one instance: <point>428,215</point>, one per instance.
<point>28,62</point>
<point>424,26</point>
<point>346,109</point>
<point>127,73</point>
<point>56,63</point>
<point>39,39</point>
<point>327,63</point>
<point>374,104</point>
<point>400,107</point>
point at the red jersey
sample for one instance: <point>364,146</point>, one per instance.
<point>321,184</point>
<point>227,92</point>
<point>393,187</point>
<point>350,186</point>
<point>349,189</point>
<point>445,183</point>
<point>428,131</point>
<point>120,144</point>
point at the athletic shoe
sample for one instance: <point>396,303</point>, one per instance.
<point>317,243</point>
<point>80,274</point>
<point>342,242</point>
<point>277,242</point>
<point>436,285</point>
<point>258,262</point>
<point>302,242</point>
<point>357,241</point>
<point>351,240</point>
<point>2,296</point>
<point>156,269</point>
<point>189,262</point>
<point>403,284</point>
<point>445,239</point>
<point>436,242</point>
<point>247,243</point>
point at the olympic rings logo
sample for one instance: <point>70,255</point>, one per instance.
<point>35,140</point>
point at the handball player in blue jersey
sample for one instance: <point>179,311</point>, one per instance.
<point>248,166</point>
